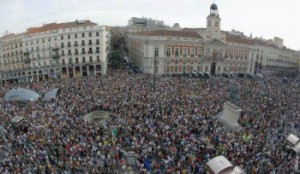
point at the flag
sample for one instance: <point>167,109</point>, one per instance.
<point>147,164</point>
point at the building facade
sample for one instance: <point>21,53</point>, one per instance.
<point>222,51</point>
<point>59,50</point>
<point>166,52</point>
<point>12,64</point>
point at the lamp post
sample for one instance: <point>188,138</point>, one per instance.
<point>154,77</point>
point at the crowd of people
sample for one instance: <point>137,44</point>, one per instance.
<point>172,129</point>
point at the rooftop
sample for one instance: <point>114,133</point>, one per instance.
<point>189,34</point>
<point>55,26</point>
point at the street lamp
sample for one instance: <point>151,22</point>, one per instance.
<point>154,77</point>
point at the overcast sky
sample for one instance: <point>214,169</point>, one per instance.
<point>264,18</point>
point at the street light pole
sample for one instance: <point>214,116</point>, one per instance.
<point>154,78</point>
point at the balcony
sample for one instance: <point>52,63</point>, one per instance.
<point>83,52</point>
<point>55,56</point>
<point>26,53</point>
<point>55,49</point>
<point>27,61</point>
<point>90,52</point>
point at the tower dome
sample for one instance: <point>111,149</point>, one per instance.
<point>213,6</point>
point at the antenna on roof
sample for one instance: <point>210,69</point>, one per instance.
<point>5,33</point>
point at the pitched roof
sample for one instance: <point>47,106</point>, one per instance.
<point>55,26</point>
<point>189,34</point>
<point>264,43</point>
<point>238,39</point>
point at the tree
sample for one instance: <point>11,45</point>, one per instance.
<point>115,59</point>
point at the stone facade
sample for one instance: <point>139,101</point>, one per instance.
<point>56,50</point>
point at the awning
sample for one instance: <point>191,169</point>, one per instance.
<point>19,94</point>
<point>51,94</point>
<point>96,116</point>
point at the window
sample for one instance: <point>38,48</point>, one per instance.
<point>216,24</point>
<point>176,52</point>
<point>62,53</point>
<point>193,52</point>
<point>83,51</point>
<point>156,52</point>
<point>208,51</point>
<point>91,59</point>
<point>63,61</point>
<point>69,52</point>
<point>97,42</point>
<point>97,33</point>
<point>90,42</point>
<point>76,60</point>
<point>70,61</point>
<point>82,43</point>
<point>69,44</point>
<point>69,36</point>
<point>184,52</point>
<point>209,23</point>
<point>62,45</point>
<point>206,68</point>
<point>62,37</point>
<point>82,35</point>
<point>83,59</point>
<point>76,44</point>
<point>76,51</point>
<point>98,58</point>
<point>90,34</point>
<point>75,35</point>
<point>97,50</point>
<point>90,50</point>
<point>168,52</point>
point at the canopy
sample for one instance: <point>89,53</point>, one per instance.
<point>96,116</point>
<point>293,139</point>
<point>51,94</point>
<point>296,148</point>
<point>17,120</point>
<point>219,164</point>
<point>18,94</point>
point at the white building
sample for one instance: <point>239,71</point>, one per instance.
<point>61,50</point>
<point>221,51</point>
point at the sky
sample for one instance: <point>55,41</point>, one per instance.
<point>262,18</point>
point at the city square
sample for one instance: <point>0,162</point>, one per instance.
<point>78,97</point>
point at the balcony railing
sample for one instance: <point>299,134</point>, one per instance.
<point>55,56</point>
<point>55,49</point>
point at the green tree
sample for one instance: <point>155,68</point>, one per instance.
<point>115,59</point>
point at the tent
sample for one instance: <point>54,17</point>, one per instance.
<point>51,94</point>
<point>21,94</point>
<point>294,142</point>
<point>96,116</point>
<point>221,165</point>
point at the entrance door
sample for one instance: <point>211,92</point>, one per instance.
<point>213,68</point>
